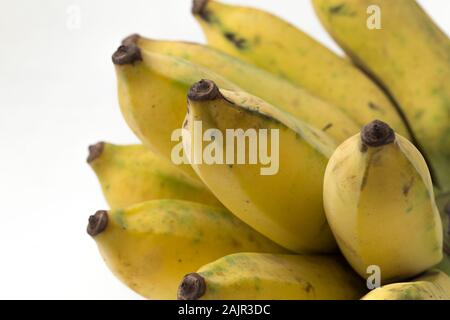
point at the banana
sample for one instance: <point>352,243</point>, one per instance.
<point>150,246</point>
<point>279,194</point>
<point>132,174</point>
<point>379,201</point>
<point>152,95</point>
<point>433,285</point>
<point>272,44</point>
<point>259,276</point>
<point>410,58</point>
<point>275,90</point>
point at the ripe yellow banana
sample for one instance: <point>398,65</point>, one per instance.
<point>259,276</point>
<point>433,285</point>
<point>267,41</point>
<point>379,201</point>
<point>152,245</point>
<point>132,174</point>
<point>275,90</point>
<point>410,57</point>
<point>286,204</point>
<point>152,95</point>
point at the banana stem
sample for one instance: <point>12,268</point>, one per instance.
<point>97,223</point>
<point>192,287</point>
<point>204,90</point>
<point>127,54</point>
<point>377,134</point>
<point>95,151</point>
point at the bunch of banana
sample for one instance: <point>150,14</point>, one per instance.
<point>272,168</point>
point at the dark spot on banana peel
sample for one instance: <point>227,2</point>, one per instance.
<point>328,126</point>
<point>127,54</point>
<point>407,187</point>
<point>336,9</point>
<point>373,106</point>
<point>131,39</point>
<point>192,287</point>
<point>340,9</point>
<point>239,43</point>
<point>204,90</point>
<point>97,223</point>
<point>309,287</point>
<point>199,8</point>
<point>377,134</point>
<point>95,151</point>
<point>364,179</point>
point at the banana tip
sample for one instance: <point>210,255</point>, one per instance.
<point>203,90</point>
<point>377,134</point>
<point>128,53</point>
<point>192,287</point>
<point>131,40</point>
<point>97,223</point>
<point>199,6</point>
<point>95,151</point>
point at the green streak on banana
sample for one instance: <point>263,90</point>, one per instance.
<point>152,245</point>
<point>152,95</point>
<point>132,174</point>
<point>256,276</point>
<point>272,44</point>
<point>444,265</point>
<point>286,206</point>
<point>258,82</point>
<point>379,201</point>
<point>410,57</point>
<point>433,285</point>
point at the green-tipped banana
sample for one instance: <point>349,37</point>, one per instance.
<point>379,201</point>
<point>256,276</point>
<point>433,285</point>
<point>152,95</point>
<point>267,41</point>
<point>410,57</point>
<point>275,90</point>
<point>276,190</point>
<point>152,245</point>
<point>132,174</point>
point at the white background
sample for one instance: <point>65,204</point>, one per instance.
<point>57,96</point>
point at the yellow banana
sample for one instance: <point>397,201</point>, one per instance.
<point>379,201</point>
<point>267,41</point>
<point>433,285</point>
<point>280,197</point>
<point>152,95</point>
<point>150,246</point>
<point>410,57</point>
<point>132,174</point>
<point>259,276</point>
<point>275,90</point>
